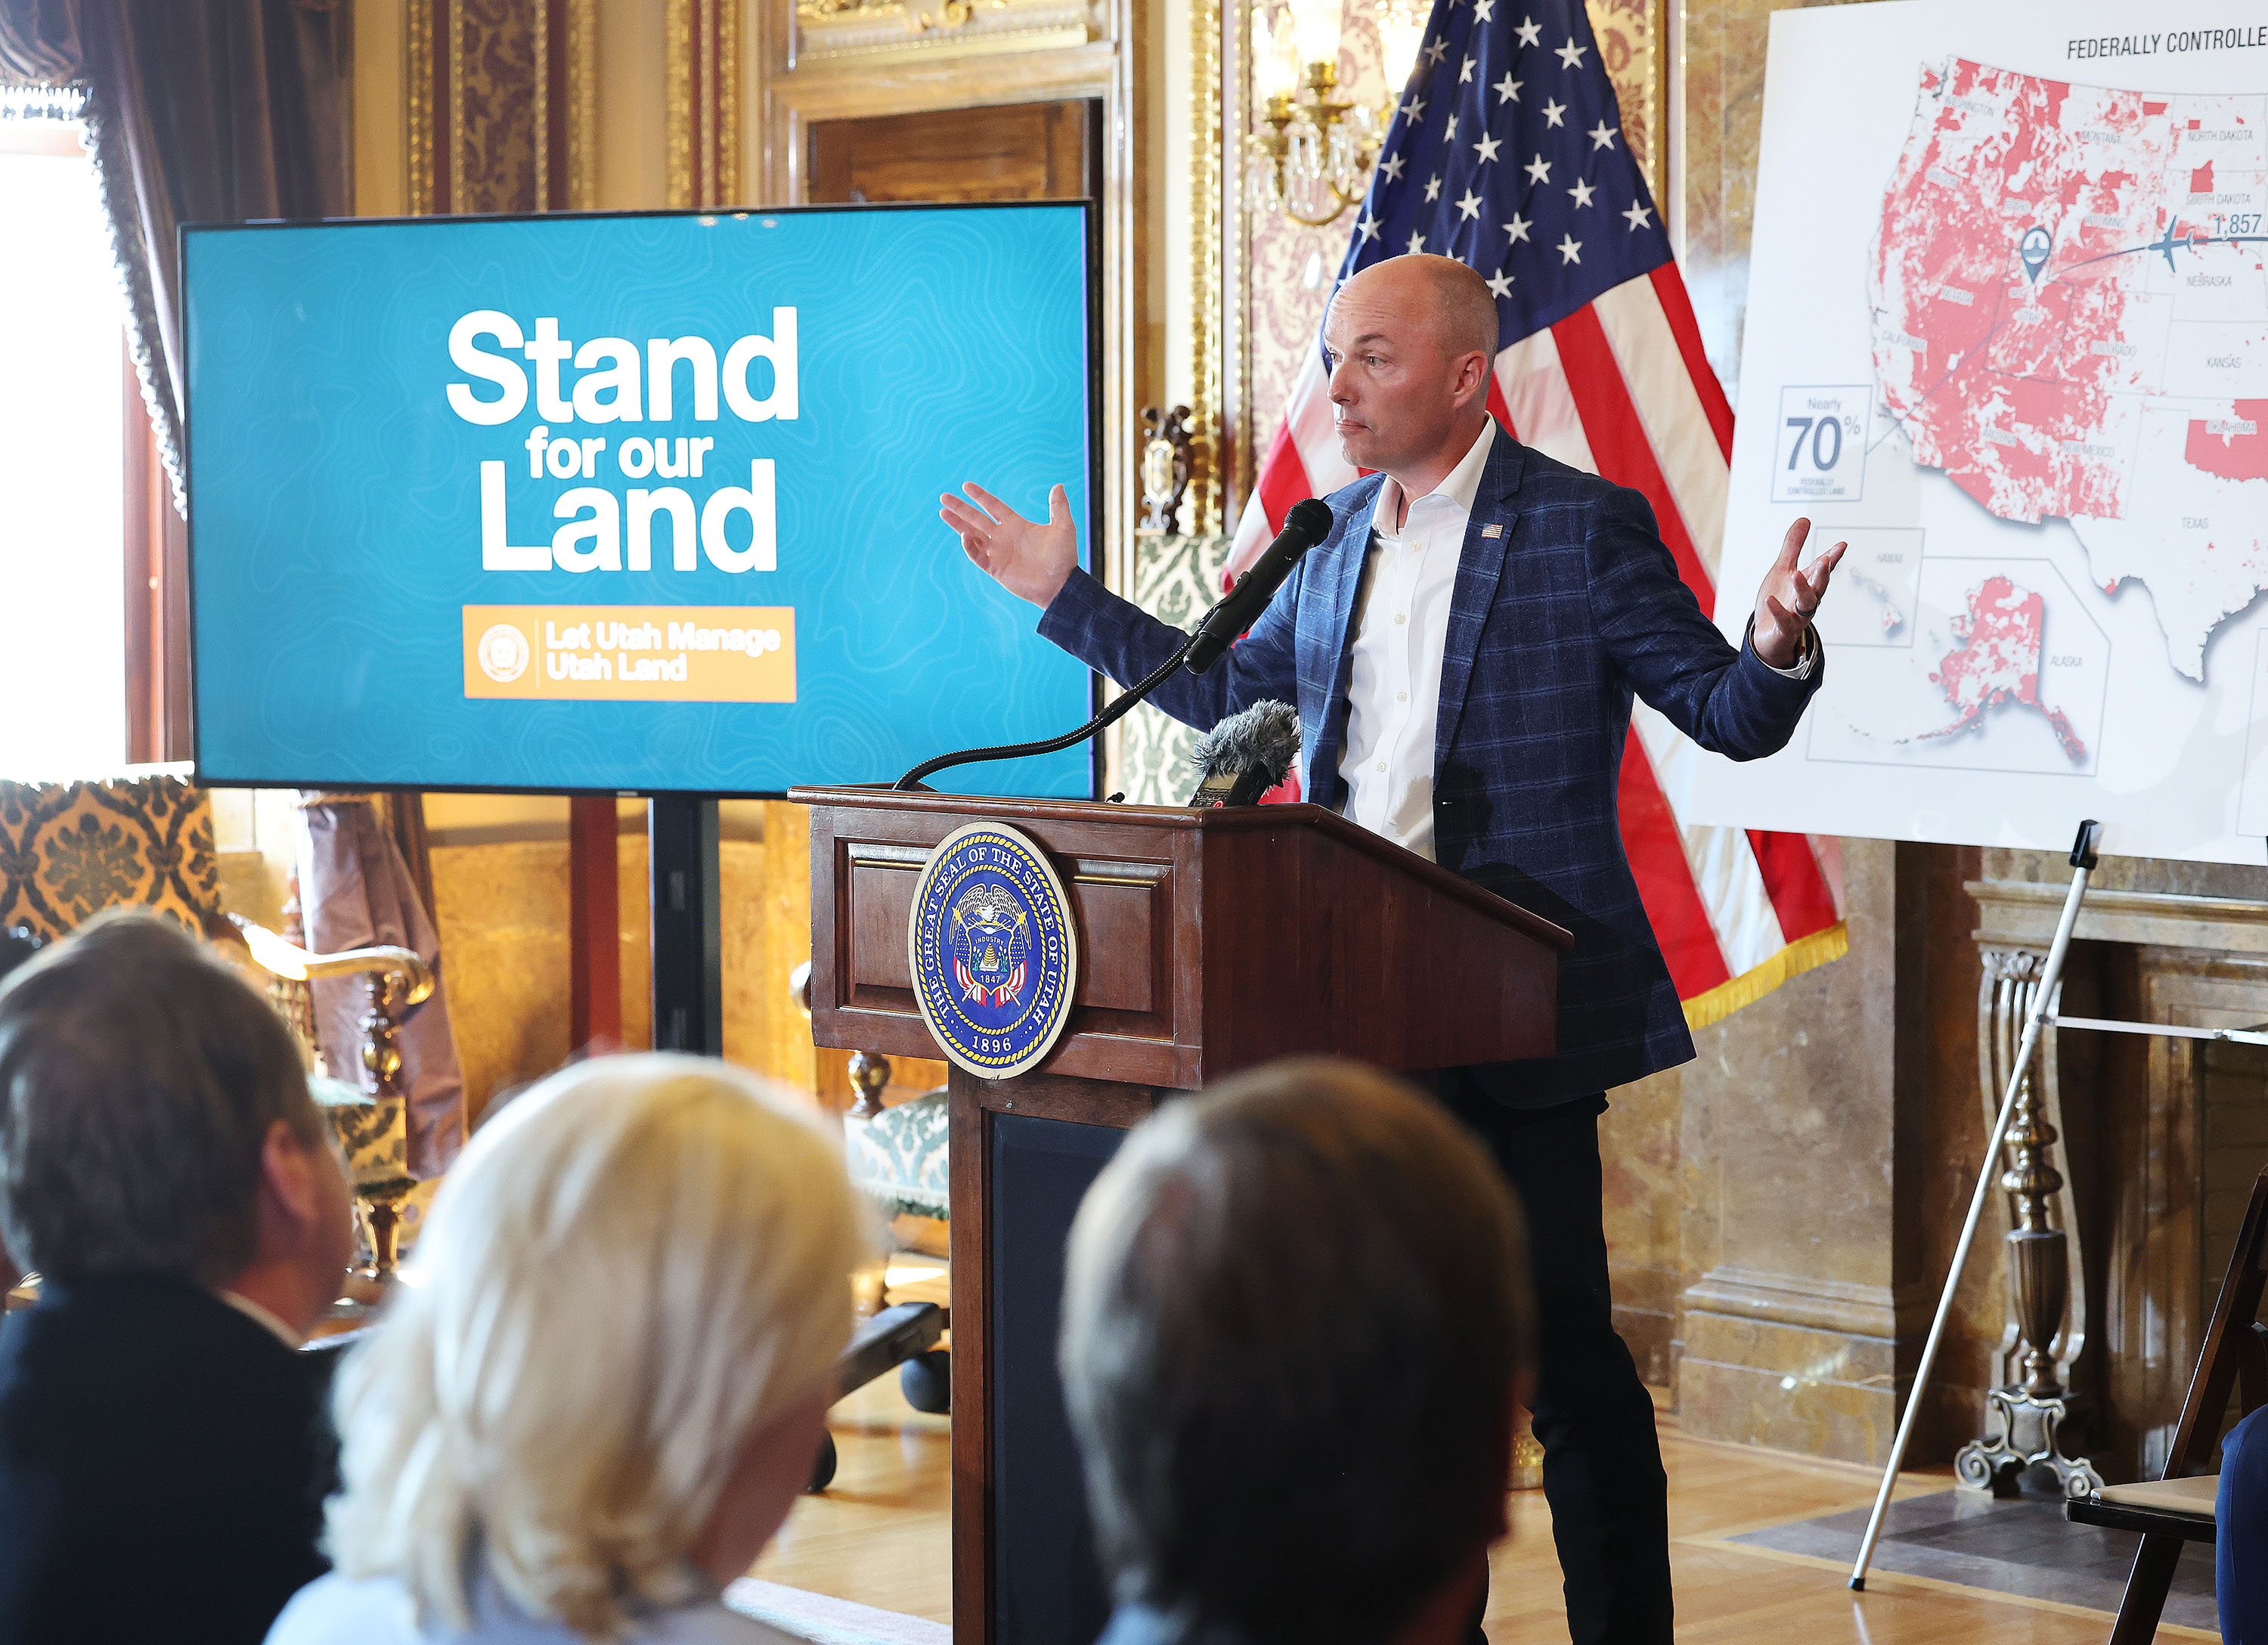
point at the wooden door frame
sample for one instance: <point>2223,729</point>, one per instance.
<point>785,97</point>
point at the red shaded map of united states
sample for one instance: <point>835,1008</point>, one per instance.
<point>1991,367</point>
<point>2069,293</point>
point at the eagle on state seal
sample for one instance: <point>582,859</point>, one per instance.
<point>992,947</point>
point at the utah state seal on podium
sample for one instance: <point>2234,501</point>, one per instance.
<point>992,950</point>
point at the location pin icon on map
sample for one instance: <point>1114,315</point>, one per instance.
<point>2034,250</point>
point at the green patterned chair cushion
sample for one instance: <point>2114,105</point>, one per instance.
<point>1175,578</point>
<point>899,1157</point>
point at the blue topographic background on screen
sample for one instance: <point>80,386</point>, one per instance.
<point>337,496</point>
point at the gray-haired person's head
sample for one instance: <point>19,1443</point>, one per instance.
<point>1289,1304</point>
<point>139,1080</point>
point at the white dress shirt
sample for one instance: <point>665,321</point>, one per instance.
<point>263,1318</point>
<point>1401,628</point>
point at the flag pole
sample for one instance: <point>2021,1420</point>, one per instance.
<point>2044,1001</point>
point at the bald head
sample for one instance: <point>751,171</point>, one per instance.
<point>1449,295</point>
<point>1412,341</point>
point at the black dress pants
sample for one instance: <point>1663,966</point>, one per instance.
<point>1602,1470</point>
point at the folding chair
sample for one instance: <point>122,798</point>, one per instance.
<point>2178,1508</point>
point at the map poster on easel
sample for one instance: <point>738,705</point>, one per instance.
<point>2007,336</point>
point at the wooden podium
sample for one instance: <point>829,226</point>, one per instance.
<point>1209,940</point>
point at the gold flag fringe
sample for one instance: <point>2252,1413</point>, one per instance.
<point>1799,956</point>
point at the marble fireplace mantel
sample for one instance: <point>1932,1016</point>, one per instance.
<point>2023,914</point>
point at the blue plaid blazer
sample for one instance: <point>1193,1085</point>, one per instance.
<point>1553,624</point>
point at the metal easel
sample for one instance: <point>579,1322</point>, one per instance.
<point>2043,1016</point>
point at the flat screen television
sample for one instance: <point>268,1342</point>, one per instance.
<point>644,502</point>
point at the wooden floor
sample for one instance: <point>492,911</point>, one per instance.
<point>879,1536</point>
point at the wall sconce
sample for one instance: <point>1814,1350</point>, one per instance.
<point>1316,158</point>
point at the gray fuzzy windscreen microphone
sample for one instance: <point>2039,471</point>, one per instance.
<point>1245,756</point>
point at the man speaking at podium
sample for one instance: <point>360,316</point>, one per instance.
<point>1463,648</point>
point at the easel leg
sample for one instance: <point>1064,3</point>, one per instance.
<point>2082,864</point>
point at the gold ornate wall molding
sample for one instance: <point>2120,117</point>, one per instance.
<point>929,29</point>
<point>1201,508</point>
<point>702,94</point>
<point>503,104</point>
<point>1633,37</point>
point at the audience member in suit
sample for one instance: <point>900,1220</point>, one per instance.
<point>1289,1306</point>
<point>611,1382</point>
<point>163,1453</point>
<point>2240,1554</point>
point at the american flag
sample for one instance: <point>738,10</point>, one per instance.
<point>1507,151</point>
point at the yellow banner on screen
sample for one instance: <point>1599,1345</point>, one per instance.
<point>631,653</point>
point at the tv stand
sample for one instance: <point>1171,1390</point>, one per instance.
<point>683,874</point>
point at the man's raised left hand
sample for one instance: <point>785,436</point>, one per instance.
<point>1789,595</point>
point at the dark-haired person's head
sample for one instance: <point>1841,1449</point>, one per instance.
<point>1289,1302</point>
<point>164,1169</point>
<point>155,1120</point>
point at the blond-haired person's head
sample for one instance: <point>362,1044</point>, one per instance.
<point>610,1380</point>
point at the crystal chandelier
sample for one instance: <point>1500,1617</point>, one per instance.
<point>1315,159</point>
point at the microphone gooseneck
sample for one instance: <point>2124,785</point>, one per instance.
<point>1120,706</point>
<point>1308,523</point>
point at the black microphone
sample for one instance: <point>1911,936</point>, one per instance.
<point>1245,756</point>
<point>1308,523</point>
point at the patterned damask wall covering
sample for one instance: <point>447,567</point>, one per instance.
<point>1175,578</point>
<point>69,851</point>
<point>503,104</point>
<point>1289,269</point>
<point>494,96</point>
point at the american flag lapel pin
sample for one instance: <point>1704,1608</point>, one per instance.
<point>1492,531</point>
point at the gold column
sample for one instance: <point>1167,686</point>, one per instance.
<point>701,90</point>
<point>1203,506</point>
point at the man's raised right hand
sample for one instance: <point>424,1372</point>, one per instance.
<point>1030,558</point>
